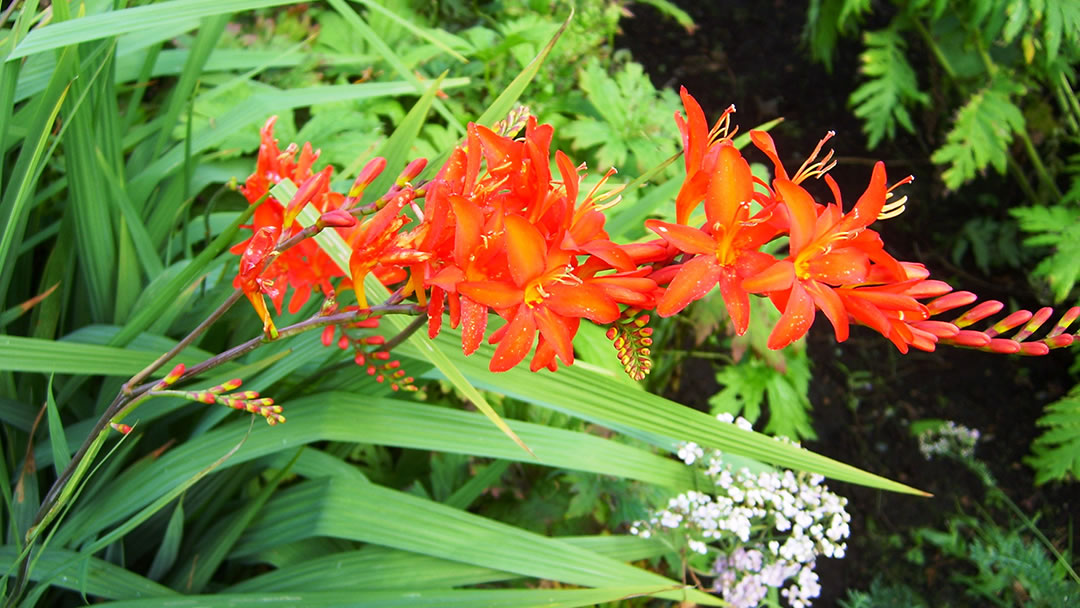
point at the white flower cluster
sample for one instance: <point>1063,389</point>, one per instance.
<point>765,528</point>
<point>949,439</point>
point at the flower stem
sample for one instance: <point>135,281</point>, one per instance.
<point>130,396</point>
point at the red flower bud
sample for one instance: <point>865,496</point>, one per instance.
<point>337,218</point>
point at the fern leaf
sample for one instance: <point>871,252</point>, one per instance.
<point>1057,227</point>
<point>1062,22</point>
<point>1056,453</point>
<point>981,134</point>
<point>1017,15</point>
<point>882,101</point>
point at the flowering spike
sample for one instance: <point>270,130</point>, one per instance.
<point>1034,348</point>
<point>950,301</point>
<point>1064,322</point>
<point>1059,341</point>
<point>629,336</point>
<point>336,218</point>
<point>312,186</point>
<point>967,337</point>
<point>1034,324</point>
<point>1004,346</point>
<point>226,387</point>
<point>1010,322</point>
<point>411,171</point>
<point>978,313</point>
<point>123,428</point>
<point>171,377</point>
<point>367,175</point>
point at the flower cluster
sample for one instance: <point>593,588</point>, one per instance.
<point>762,529</point>
<point>505,232</point>
<point>949,440</point>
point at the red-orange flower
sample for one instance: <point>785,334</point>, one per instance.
<point>827,249</point>
<point>725,250</point>
<point>508,237</point>
<point>258,251</point>
<point>304,265</point>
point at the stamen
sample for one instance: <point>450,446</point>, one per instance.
<point>592,197</point>
<point>722,128</point>
<point>810,168</point>
<point>893,209</point>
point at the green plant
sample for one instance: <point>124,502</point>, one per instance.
<point>759,376</point>
<point>988,54</point>
<point>1055,455</point>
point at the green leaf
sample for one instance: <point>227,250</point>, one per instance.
<point>48,356</point>
<point>28,166</point>
<point>390,56</point>
<point>891,88</point>
<point>1062,23</point>
<point>1058,227</point>
<point>981,133</point>
<point>374,567</point>
<point>170,544</point>
<point>216,545</point>
<point>395,519</point>
<point>506,100</point>
<point>124,21</point>
<point>361,419</point>
<point>339,251</point>
<point>90,575</point>
<point>1055,455</point>
<point>258,108</point>
<point>456,598</point>
<point>602,400</point>
<point>61,452</point>
<point>396,147</point>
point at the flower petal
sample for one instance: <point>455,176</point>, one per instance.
<point>869,204</point>
<point>777,277</point>
<point>496,294</point>
<point>796,321</point>
<point>731,188</point>
<point>764,142</point>
<point>830,303</point>
<point>555,332</point>
<point>584,300</point>
<point>526,250</point>
<point>695,131</point>
<point>693,281</point>
<point>845,266</point>
<point>687,239</point>
<point>802,213</point>
<point>473,323</point>
<point>516,341</point>
<point>736,299</point>
<point>468,225</point>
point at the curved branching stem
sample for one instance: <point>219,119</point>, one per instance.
<point>132,393</point>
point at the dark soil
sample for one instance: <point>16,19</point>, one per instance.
<point>750,54</point>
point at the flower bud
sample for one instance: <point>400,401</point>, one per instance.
<point>411,171</point>
<point>336,218</point>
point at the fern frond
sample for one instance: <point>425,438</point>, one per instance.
<point>981,134</point>
<point>1055,455</point>
<point>1061,23</point>
<point>882,101</point>
<point>1057,227</point>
